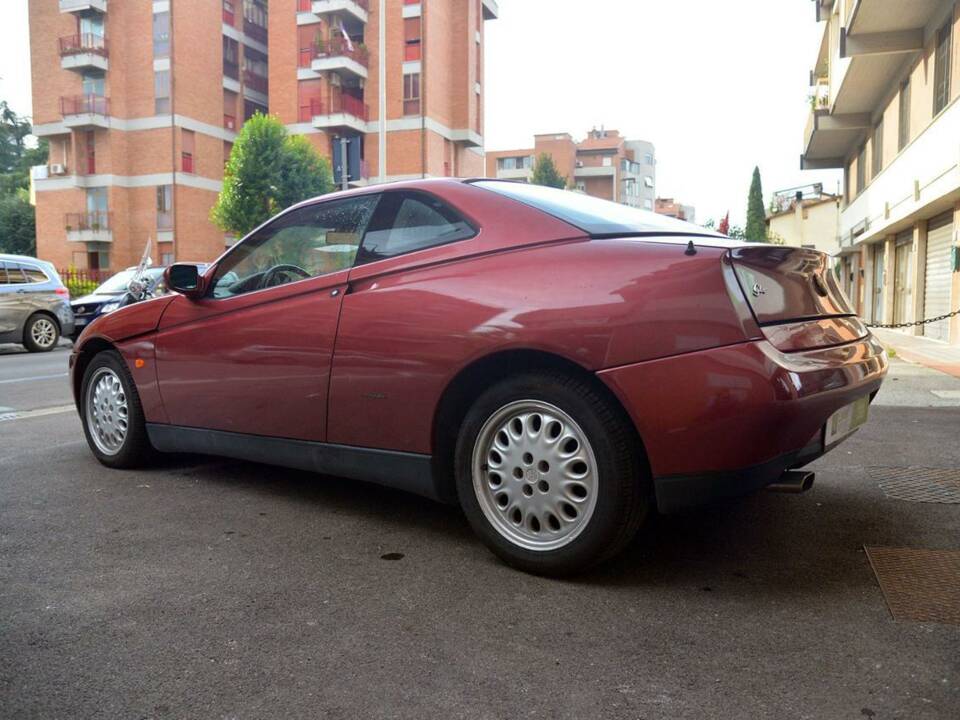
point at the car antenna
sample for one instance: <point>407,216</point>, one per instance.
<point>691,250</point>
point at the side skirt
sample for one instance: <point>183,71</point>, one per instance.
<point>411,472</point>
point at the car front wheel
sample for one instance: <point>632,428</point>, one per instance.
<point>112,417</point>
<point>550,473</point>
<point>41,334</point>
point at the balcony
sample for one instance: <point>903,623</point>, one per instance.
<point>82,6</point>
<point>257,83</point>
<point>89,226</point>
<point>859,63</point>
<point>255,31</point>
<point>358,9</point>
<point>83,52</point>
<point>343,111</point>
<point>85,111</point>
<point>337,54</point>
<point>228,14</point>
<point>923,177</point>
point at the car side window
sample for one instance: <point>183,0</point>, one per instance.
<point>304,243</point>
<point>409,221</point>
<point>15,274</point>
<point>33,274</point>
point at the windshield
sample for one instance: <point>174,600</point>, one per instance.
<point>117,284</point>
<point>590,214</point>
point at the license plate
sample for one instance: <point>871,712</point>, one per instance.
<point>845,420</point>
<point>79,322</point>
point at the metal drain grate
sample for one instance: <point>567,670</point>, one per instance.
<point>919,484</point>
<point>921,585</point>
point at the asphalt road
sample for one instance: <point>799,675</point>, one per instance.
<point>206,588</point>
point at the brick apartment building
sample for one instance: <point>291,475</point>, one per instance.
<point>141,101</point>
<point>605,165</point>
<point>675,209</point>
<point>885,108</point>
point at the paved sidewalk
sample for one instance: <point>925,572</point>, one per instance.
<point>918,349</point>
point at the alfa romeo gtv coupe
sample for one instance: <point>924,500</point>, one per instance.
<point>558,365</point>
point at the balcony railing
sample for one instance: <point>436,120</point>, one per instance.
<point>83,43</point>
<point>96,220</point>
<point>304,5</point>
<point>84,105</point>
<point>339,47</point>
<point>411,52</point>
<point>255,82</point>
<point>229,122</point>
<point>229,16</point>
<point>186,162</point>
<point>257,32</point>
<point>342,104</point>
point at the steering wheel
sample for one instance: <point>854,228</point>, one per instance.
<point>282,274</point>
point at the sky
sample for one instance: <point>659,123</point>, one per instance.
<point>717,86</point>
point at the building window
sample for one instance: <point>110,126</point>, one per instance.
<point>92,83</point>
<point>877,165</point>
<point>648,204</point>
<point>251,108</point>
<point>255,70</point>
<point>648,159</point>
<point>647,181</point>
<point>187,140</point>
<point>161,92</point>
<point>904,112</point>
<point>941,73</point>
<point>231,58</point>
<point>861,169</point>
<point>166,258</point>
<point>90,152</point>
<point>161,34</point>
<point>411,94</point>
<point>411,37</point>
<point>255,19</point>
<point>164,207</point>
<point>581,186</point>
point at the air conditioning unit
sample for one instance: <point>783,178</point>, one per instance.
<point>58,169</point>
<point>579,163</point>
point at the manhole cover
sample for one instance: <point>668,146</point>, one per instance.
<point>919,484</point>
<point>921,585</point>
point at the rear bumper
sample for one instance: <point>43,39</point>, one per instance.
<point>724,422</point>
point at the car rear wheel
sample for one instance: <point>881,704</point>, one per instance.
<point>550,473</point>
<point>112,417</point>
<point>41,333</point>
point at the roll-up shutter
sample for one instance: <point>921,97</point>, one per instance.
<point>936,290</point>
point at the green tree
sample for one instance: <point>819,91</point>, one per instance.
<point>18,225</point>
<point>545,173</point>
<point>756,229</point>
<point>16,157</point>
<point>268,171</point>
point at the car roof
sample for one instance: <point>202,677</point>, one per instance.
<point>25,258</point>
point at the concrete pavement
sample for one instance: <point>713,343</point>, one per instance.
<point>206,588</point>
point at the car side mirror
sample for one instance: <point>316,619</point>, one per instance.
<point>185,279</point>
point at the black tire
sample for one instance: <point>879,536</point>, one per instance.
<point>34,322</point>
<point>623,488</point>
<point>135,449</point>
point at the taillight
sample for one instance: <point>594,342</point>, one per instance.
<point>62,292</point>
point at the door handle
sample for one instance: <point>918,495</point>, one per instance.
<point>334,292</point>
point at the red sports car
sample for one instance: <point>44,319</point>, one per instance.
<point>557,364</point>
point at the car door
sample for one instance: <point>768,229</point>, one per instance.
<point>253,355</point>
<point>14,299</point>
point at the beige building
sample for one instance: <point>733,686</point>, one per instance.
<point>806,217</point>
<point>886,85</point>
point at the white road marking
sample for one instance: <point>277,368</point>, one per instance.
<point>26,414</point>
<point>33,378</point>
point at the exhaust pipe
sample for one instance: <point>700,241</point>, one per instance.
<point>793,481</point>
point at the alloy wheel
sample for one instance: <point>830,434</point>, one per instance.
<point>43,332</point>
<point>107,411</point>
<point>535,475</point>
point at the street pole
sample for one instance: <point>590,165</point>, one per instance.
<point>344,174</point>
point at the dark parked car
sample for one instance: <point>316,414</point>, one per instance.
<point>559,365</point>
<point>34,303</point>
<point>109,296</point>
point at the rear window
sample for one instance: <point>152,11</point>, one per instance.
<point>592,215</point>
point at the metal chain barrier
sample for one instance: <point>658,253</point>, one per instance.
<point>895,326</point>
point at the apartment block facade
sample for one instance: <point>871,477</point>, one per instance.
<point>884,108</point>
<point>141,101</point>
<point>675,209</point>
<point>604,164</point>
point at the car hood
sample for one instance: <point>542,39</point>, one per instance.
<point>127,322</point>
<point>95,299</point>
